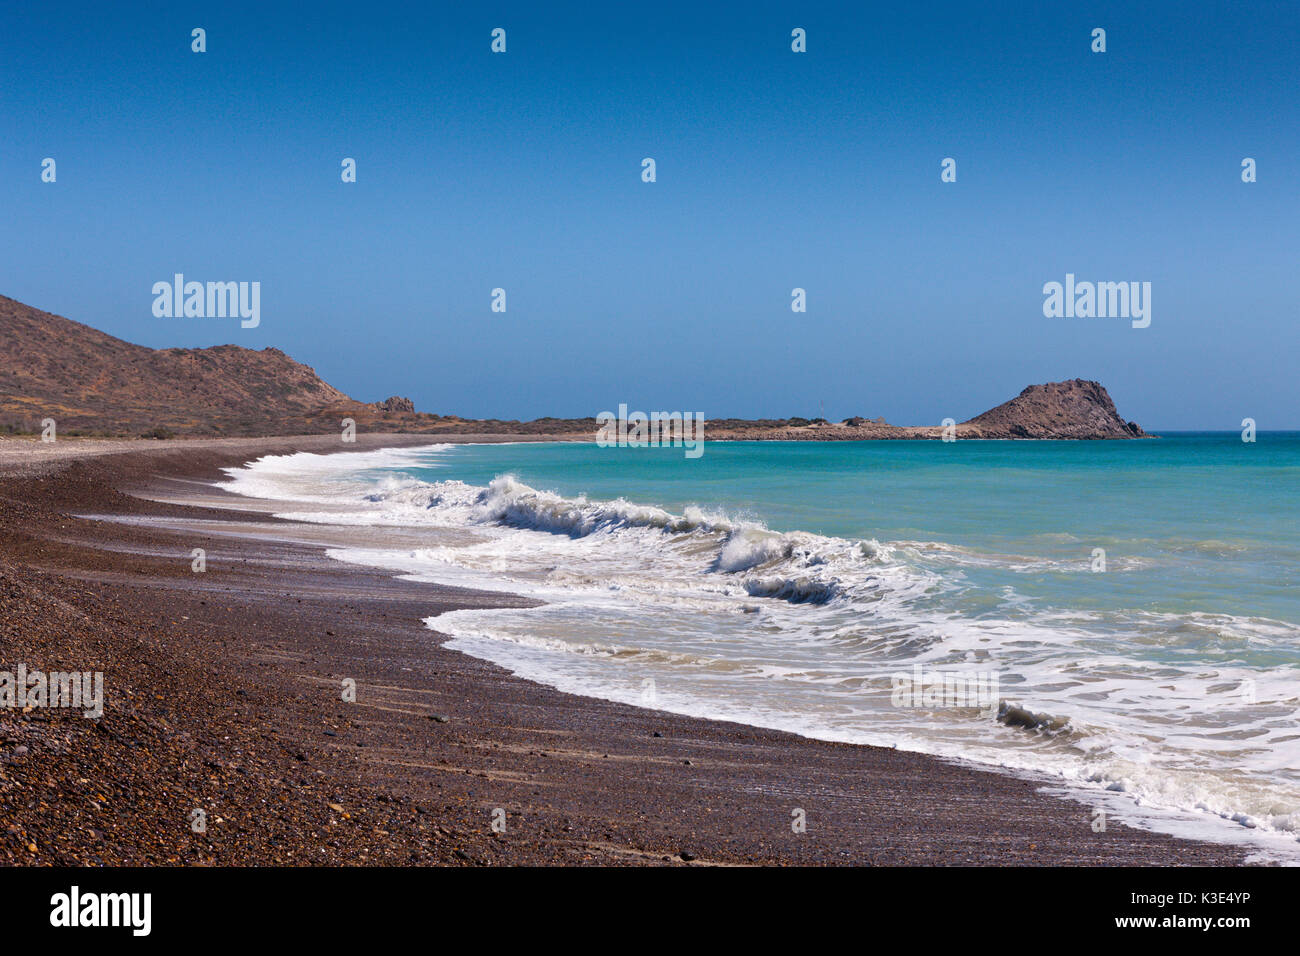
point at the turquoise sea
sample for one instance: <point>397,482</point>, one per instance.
<point>1118,619</point>
<point>1203,521</point>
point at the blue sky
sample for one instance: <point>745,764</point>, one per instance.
<point>775,170</point>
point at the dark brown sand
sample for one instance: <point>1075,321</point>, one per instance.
<point>223,694</point>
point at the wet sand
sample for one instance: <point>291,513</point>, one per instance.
<point>224,694</point>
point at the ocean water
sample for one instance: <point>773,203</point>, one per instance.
<point>1120,620</point>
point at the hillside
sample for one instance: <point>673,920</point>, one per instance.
<point>52,367</point>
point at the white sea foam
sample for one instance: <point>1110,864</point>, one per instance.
<point>800,631</point>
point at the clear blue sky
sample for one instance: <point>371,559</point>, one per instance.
<point>775,170</point>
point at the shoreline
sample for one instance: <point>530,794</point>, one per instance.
<point>251,654</point>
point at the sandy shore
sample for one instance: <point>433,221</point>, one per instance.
<point>223,694</point>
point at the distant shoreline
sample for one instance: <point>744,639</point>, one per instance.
<point>54,378</point>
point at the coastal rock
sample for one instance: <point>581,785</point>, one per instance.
<point>1077,409</point>
<point>396,404</point>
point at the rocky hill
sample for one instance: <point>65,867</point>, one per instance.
<point>1073,409</point>
<point>91,382</point>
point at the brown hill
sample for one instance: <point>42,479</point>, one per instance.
<point>88,381</point>
<point>1073,409</point>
